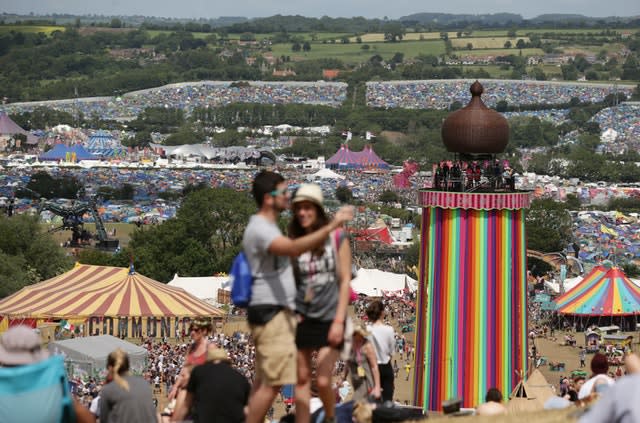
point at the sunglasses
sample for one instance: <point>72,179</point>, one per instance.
<point>277,192</point>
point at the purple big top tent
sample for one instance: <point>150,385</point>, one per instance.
<point>347,159</point>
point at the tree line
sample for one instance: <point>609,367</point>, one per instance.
<point>66,64</point>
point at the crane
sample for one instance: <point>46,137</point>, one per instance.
<point>72,219</point>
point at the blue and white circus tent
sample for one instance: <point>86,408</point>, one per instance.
<point>72,153</point>
<point>103,144</point>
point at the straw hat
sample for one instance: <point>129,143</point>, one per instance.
<point>217,354</point>
<point>309,192</point>
<point>361,330</point>
<point>201,323</point>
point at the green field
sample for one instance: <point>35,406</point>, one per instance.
<point>499,52</point>
<point>306,36</point>
<point>520,32</point>
<point>197,35</point>
<point>576,31</point>
<point>496,72</point>
<point>422,36</point>
<point>320,36</point>
<point>47,29</point>
<point>485,42</point>
<point>353,52</point>
<point>409,36</point>
<point>123,231</point>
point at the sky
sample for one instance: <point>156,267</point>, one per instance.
<point>317,8</point>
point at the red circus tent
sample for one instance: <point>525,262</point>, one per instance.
<point>381,234</point>
<point>369,159</point>
<point>9,127</point>
<point>101,291</point>
<point>347,159</point>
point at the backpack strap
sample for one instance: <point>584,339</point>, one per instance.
<point>336,237</point>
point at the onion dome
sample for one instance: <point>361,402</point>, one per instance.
<point>475,129</point>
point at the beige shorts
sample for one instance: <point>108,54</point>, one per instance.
<point>276,349</point>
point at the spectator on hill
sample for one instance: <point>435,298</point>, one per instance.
<point>270,312</point>
<point>493,405</point>
<point>599,380</point>
<point>323,277</point>
<point>125,398</point>
<point>383,337</point>
<point>21,351</point>
<point>619,403</point>
<point>217,391</point>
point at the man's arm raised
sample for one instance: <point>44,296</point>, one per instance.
<point>283,246</point>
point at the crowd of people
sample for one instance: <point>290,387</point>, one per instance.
<point>466,176</point>
<point>298,334</point>
<point>189,95</point>
<point>555,116</point>
<point>440,94</point>
<point>623,118</point>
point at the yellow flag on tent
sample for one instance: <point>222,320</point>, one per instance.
<point>606,230</point>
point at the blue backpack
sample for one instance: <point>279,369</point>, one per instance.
<point>36,393</point>
<point>241,281</point>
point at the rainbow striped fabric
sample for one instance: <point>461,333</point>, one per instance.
<point>471,328</point>
<point>603,292</point>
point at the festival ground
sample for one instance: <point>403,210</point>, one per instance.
<point>552,349</point>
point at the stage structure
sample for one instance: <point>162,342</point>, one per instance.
<point>471,311</point>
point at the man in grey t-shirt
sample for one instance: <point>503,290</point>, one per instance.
<point>618,403</point>
<point>270,312</point>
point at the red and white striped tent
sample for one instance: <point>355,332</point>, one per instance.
<point>101,293</point>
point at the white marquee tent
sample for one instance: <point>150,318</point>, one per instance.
<point>204,288</point>
<point>375,283</point>
<point>569,283</point>
<point>87,356</point>
<point>326,174</point>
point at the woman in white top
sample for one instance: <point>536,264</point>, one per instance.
<point>383,339</point>
<point>599,380</point>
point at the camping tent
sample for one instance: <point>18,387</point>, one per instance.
<point>540,385</point>
<point>86,356</point>
<point>103,298</point>
<point>204,288</point>
<point>603,292</point>
<point>530,395</point>
<point>376,283</point>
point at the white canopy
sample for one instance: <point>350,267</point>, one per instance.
<point>375,283</point>
<point>569,283</point>
<point>204,288</point>
<point>87,356</point>
<point>327,174</point>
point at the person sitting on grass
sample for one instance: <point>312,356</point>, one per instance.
<point>493,405</point>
